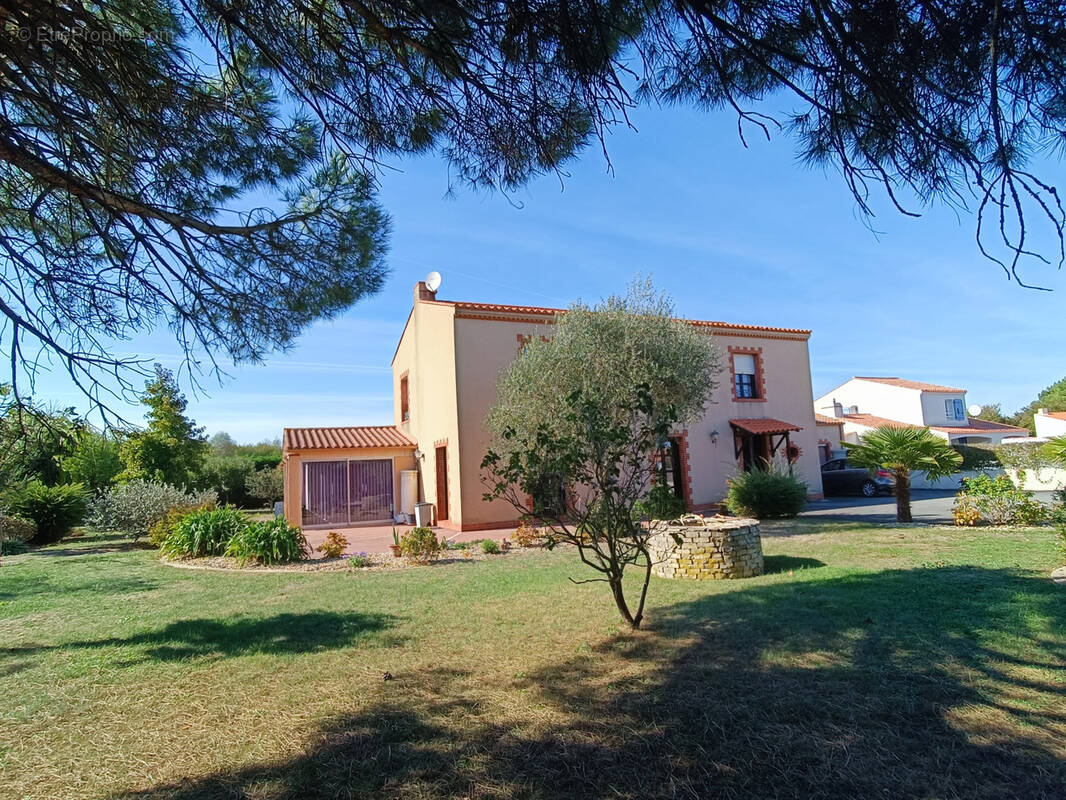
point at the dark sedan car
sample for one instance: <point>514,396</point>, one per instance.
<point>840,477</point>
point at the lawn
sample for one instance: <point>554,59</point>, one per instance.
<point>870,662</point>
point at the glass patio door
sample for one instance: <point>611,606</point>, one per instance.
<point>346,492</point>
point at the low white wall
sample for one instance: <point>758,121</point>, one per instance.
<point>919,481</point>
<point>1047,479</point>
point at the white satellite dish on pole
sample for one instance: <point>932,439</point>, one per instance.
<point>975,410</point>
<point>433,281</point>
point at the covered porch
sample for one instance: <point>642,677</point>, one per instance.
<point>756,442</point>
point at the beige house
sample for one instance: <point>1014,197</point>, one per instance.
<point>865,403</point>
<point>444,373</point>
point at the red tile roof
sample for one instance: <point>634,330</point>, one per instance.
<point>1056,414</point>
<point>764,425</point>
<point>822,419</point>
<point>346,438</point>
<point>905,384</point>
<point>542,311</point>
<point>974,425</point>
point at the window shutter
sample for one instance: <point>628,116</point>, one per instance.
<point>743,364</point>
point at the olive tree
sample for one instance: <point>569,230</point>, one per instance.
<point>580,417</point>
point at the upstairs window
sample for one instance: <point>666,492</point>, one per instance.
<point>405,401</point>
<point>745,384</point>
<point>953,409</point>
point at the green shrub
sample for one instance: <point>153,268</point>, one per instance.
<point>134,507</point>
<point>13,547</point>
<point>94,462</point>
<point>162,528</point>
<point>204,533</point>
<point>272,542</point>
<point>16,529</point>
<point>489,547</point>
<point>228,477</point>
<point>977,456</point>
<point>766,494</point>
<point>53,509</point>
<point>661,503</point>
<point>420,545</point>
<point>267,485</point>
<point>1000,502</point>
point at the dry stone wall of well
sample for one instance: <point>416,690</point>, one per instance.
<point>714,548</point>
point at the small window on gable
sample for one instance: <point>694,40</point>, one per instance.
<point>405,401</point>
<point>745,386</point>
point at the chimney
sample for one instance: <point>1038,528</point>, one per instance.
<point>838,409</point>
<point>422,292</point>
<point>1042,412</point>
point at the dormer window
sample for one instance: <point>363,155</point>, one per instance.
<point>953,409</point>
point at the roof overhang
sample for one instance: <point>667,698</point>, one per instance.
<point>363,437</point>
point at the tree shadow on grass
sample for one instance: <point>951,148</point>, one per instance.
<point>907,683</point>
<point>199,638</point>
<point>775,564</point>
<point>88,543</point>
<point>19,586</point>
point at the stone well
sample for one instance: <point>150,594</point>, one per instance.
<point>712,548</point>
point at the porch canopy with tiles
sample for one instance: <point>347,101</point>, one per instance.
<point>757,441</point>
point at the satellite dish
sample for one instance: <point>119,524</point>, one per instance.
<point>433,281</point>
<point>975,410</point>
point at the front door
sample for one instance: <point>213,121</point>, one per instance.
<point>442,482</point>
<point>753,450</point>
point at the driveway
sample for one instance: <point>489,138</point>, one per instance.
<point>927,505</point>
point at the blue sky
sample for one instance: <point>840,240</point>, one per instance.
<point>746,235</point>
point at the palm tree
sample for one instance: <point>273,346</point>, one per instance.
<point>905,450</point>
<point>1055,450</point>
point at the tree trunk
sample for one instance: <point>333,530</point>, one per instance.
<point>620,602</point>
<point>903,496</point>
<point>639,616</point>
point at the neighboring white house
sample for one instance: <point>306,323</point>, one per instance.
<point>865,403</point>
<point>1049,424</point>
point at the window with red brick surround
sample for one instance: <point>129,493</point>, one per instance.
<point>405,399</point>
<point>760,378</point>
